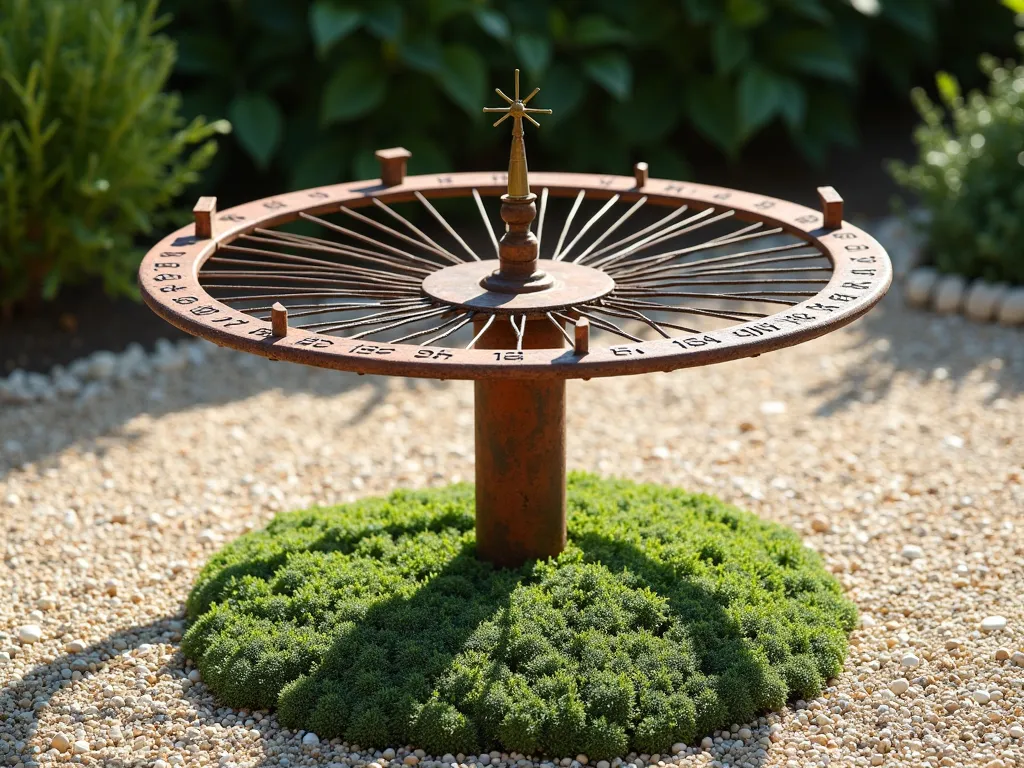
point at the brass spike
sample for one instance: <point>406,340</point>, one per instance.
<point>518,174</point>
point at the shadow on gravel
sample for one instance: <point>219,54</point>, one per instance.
<point>894,340</point>
<point>23,703</point>
<point>32,433</point>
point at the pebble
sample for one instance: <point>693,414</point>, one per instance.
<point>410,760</point>
<point>910,661</point>
<point>81,747</point>
<point>919,285</point>
<point>983,299</point>
<point>1011,308</point>
<point>30,633</point>
<point>1002,654</point>
<point>948,294</point>
<point>773,408</point>
<point>75,646</point>
<point>1016,732</point>
<point>60,742</point>
<point>912,552</point>
<point>707,742</point>
<point>982,697</point>
<point>310,740</point>
<point>1018,658</point>
<point>899,686</point>
<point>993,623</point>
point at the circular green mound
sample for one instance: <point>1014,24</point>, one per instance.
<point>668,616</point>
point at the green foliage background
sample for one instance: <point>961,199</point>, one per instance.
<point>314,86</point>
<point>668,616</point>
<point>92,151</point>
<point>970,173</point>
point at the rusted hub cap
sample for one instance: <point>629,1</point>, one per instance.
<point>572,284</point>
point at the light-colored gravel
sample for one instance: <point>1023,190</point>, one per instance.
<point>894,446</point>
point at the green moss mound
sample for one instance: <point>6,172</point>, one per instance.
<point>669,615</point>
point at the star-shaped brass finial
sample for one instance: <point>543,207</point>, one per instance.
<point>518,182</point>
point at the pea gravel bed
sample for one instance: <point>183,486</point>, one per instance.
<point>894,447</point>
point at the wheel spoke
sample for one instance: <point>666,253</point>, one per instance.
<point>444,223</point>
<point>481,332</point>
<point>590,223</point>
<point>540,217</point>
<point>581,259</point>
<point>416,231</point>
<point>568,223</point>
<point>487,222</point>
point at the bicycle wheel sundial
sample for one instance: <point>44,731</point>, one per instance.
<point>630,275</point>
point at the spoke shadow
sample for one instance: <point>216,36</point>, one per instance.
<point>893,340</point>
<point>413,658</point>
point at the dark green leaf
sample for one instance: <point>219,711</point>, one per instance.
<point>423,52</point>
<point>794,102</point>
<point>357,87</point>
<point>384,19</point>
<point>439,11</point>
<point>713,111</point>
<point>747,13</point>
<point>729,46</point>
<point>914,16</point>
<point>533,51</point>
<point>330,23</point>
<point>809,9</point>
<point>463,78</point>
<point>666,163</point>
<point>594,29</point>
<point>649,114</point>
<point>279,18</point>
<point>760,96</point>
<point>813,52</point>
<point>319,165</point>
<point>200,54</point>
<point>612,71</point>
<point>564,88</point>
<point>702,11</point>
<point>493,22</point>
<point>257,123</point>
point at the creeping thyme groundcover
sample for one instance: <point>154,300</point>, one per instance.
<point>668,616</point>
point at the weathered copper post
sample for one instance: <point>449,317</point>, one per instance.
<point>520,456</point>
<point>520,426</point>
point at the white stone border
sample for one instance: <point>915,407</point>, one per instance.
<point>924,287</point>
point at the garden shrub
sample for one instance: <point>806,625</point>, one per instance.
<point>669,615</point>
<point>314,86</point>
<point>970,173</point>
<point>91,150</point>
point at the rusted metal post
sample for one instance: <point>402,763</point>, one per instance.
<point>520,456</point>
<point>204,212</point>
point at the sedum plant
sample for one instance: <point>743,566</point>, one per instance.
<point>668,616</point>
<point>92,152</point>
<point>970,174</point>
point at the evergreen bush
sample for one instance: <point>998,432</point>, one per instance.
<point>91,150</point>
<point>669,615</point>
<point>969,176</point>
<point>313,87</point>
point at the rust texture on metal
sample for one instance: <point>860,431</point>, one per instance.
<point>831,207</point>
<point>520,455</point>
<point>279,319</point>
<point>393,163</point>
<point>460,286</point>
<point>182,278</point>
<point>204,211</point>
<point>640,173</point>
<point>582,340</point>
